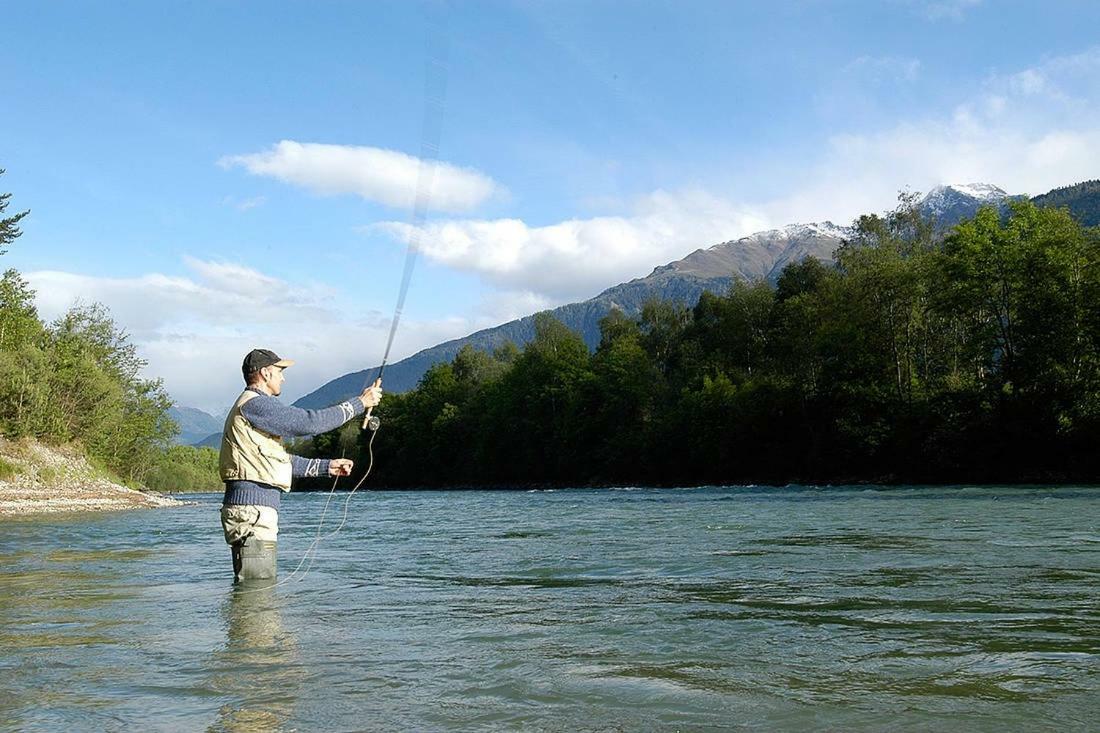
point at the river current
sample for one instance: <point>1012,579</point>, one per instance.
<point>725,608</point>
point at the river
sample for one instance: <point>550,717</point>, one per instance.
<point>726,608</point>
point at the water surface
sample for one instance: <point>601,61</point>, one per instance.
<point>704,609</point>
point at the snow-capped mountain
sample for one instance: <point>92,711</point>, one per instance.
<point>949,204</point>
<point>760,255</point>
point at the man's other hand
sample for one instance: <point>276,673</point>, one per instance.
<point>340,467</point>
<point>372,395</point>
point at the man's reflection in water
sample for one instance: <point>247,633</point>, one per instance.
<point>258,665</point>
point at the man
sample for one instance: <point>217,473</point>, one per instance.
<point>257,469</point>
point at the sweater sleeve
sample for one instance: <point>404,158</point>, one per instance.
<point>312,467</point>
<point>273,417</point>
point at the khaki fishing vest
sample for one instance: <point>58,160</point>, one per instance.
<point>249,454</point>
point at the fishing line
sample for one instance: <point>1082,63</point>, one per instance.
<point>435,103</point>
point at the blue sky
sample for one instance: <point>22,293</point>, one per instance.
<point>227,175</point>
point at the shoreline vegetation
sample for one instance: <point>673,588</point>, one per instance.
<point>918,356</point>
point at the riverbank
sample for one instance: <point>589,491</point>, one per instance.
<point>41,479</point>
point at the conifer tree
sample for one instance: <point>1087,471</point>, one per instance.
<point>9,227</point>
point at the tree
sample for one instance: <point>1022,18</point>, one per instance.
<point>19,322</point>
<point>662,326</point>
<point>9,226</point>
<point>619,404</point>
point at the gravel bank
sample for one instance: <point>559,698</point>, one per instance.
<point>50,480</point>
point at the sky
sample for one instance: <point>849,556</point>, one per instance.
<point>225,176</point>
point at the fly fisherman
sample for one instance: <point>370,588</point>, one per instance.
<point>257,469</point>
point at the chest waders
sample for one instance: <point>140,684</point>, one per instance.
<point>254,559</point>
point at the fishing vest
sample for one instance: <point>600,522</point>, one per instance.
<point>250,454</point>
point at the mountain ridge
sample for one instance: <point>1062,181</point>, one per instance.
<point>194,424</point>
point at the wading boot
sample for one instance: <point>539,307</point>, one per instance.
<point>253,559</point>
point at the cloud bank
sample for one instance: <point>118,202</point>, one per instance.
<point>194,330</point>
<point>1026,131</point>
<point>385,176</point>
<point>579,257</point>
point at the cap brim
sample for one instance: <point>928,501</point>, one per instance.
<point>284,363</point>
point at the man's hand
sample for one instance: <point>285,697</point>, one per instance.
<point>340,467</point>
<point>372,395</point>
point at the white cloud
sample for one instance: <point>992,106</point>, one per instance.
<point>376,174</point>
<point>861,173</point>
<point>579,257</point>
<point>503,306</point>
<point>1068,80</point>
<point>195,330</point>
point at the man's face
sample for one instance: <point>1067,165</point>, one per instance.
<point>273,379</point>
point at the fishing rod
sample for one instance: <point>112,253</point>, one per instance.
<point>435,103</point>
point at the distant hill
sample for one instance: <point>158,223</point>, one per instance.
<point>758,256</point>
<point>195,424</point>
<point>214,440</point>
<point>1082,200</point>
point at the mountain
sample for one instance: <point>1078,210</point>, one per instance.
<point>758,256</point>
<point>194,424</point>
<point>1082,200</point>
<point>214,440</point>
<point>950,204</point>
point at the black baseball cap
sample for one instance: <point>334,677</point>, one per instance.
<point>257,359</point>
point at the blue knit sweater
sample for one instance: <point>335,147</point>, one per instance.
<point>266,413</point>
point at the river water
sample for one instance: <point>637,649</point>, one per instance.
<point>737,608</point>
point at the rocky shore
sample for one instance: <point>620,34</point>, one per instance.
<point>40,479</point>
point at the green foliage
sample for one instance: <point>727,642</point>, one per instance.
<point>185,468</point>
<point>9,226</point>
<point>8,470</point>
<point>975,358</point>
<point>1082,200</point>
<point>19,322</point>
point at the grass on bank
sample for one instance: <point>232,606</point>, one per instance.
<point>9,470</point>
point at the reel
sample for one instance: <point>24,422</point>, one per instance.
<point>373,423</point>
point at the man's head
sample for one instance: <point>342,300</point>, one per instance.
<point>264,369</point>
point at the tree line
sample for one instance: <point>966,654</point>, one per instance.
<point>910,358</point>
